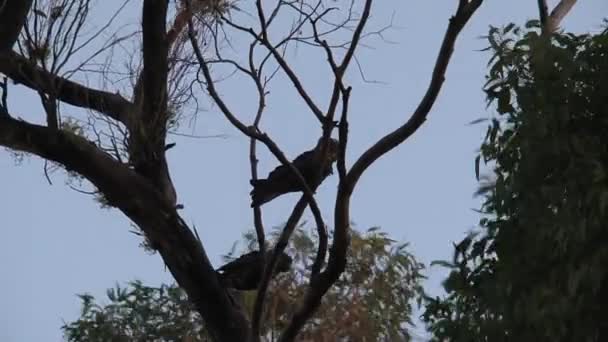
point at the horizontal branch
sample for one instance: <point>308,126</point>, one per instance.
<point>21,70</point>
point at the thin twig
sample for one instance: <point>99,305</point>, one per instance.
<point>46,172</point>
<point>251,132</point>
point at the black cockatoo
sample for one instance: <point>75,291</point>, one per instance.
<point>281,180</point>
<point>245,273</point>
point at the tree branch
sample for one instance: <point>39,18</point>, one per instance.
<point>155,52</point>
<point>147,140</point>
<point>263,38</point>
<point>251,132</point>
<point>543,12</point>
<point>4,97</point>
<point>279,247</point>
<point>558,14</point>
<point>20,70</point>
<point>13,15</point>
<point>337,257</point>
<point>145,205</point>
<point>253,160</point>
<point>464,12</point>
<point>343,134</point>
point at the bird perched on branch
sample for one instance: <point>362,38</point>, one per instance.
<point>245,273</point>
<point>313,166</point>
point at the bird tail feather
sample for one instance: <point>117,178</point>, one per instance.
<point>262,192</point>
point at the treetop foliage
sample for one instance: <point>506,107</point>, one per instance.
<point>536,270</point>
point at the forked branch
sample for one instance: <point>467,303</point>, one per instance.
<point>337,257</point>
<point>550,22</point>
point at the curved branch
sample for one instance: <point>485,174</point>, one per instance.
<point>337,256</point>
<point>263,38</point>
<point>390,141</point>
<point>20,70</point>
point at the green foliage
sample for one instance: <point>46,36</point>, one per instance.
<point>137,313</point>
<point>538,270</point>
<point>371,302</point>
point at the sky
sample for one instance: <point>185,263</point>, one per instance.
<point>57,242</point>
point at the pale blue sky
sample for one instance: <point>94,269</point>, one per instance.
<point>57,242</point>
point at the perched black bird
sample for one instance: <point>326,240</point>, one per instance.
<point>245,273</point>
<point>281,180</point>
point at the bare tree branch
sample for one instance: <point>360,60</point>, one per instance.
<point>147,139</point>
<point>155,54</point>
<point>263,37</point>
<point>543,12</point>
<point>252,132</point>
<point>464,12</point>
<point>558,13</point>
<point>343,134</point>
<point>337,257</point>
<point>4,98</point>
<point>279,247</point>
<point>257,211</point>
<point>22,71</point>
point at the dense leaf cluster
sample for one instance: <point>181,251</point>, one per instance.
<point>538,269</point>
<point>137,313</point>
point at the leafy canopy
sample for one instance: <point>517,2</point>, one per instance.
<point>538,269</point>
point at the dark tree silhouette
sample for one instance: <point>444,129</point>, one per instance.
<point>40,41</point>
